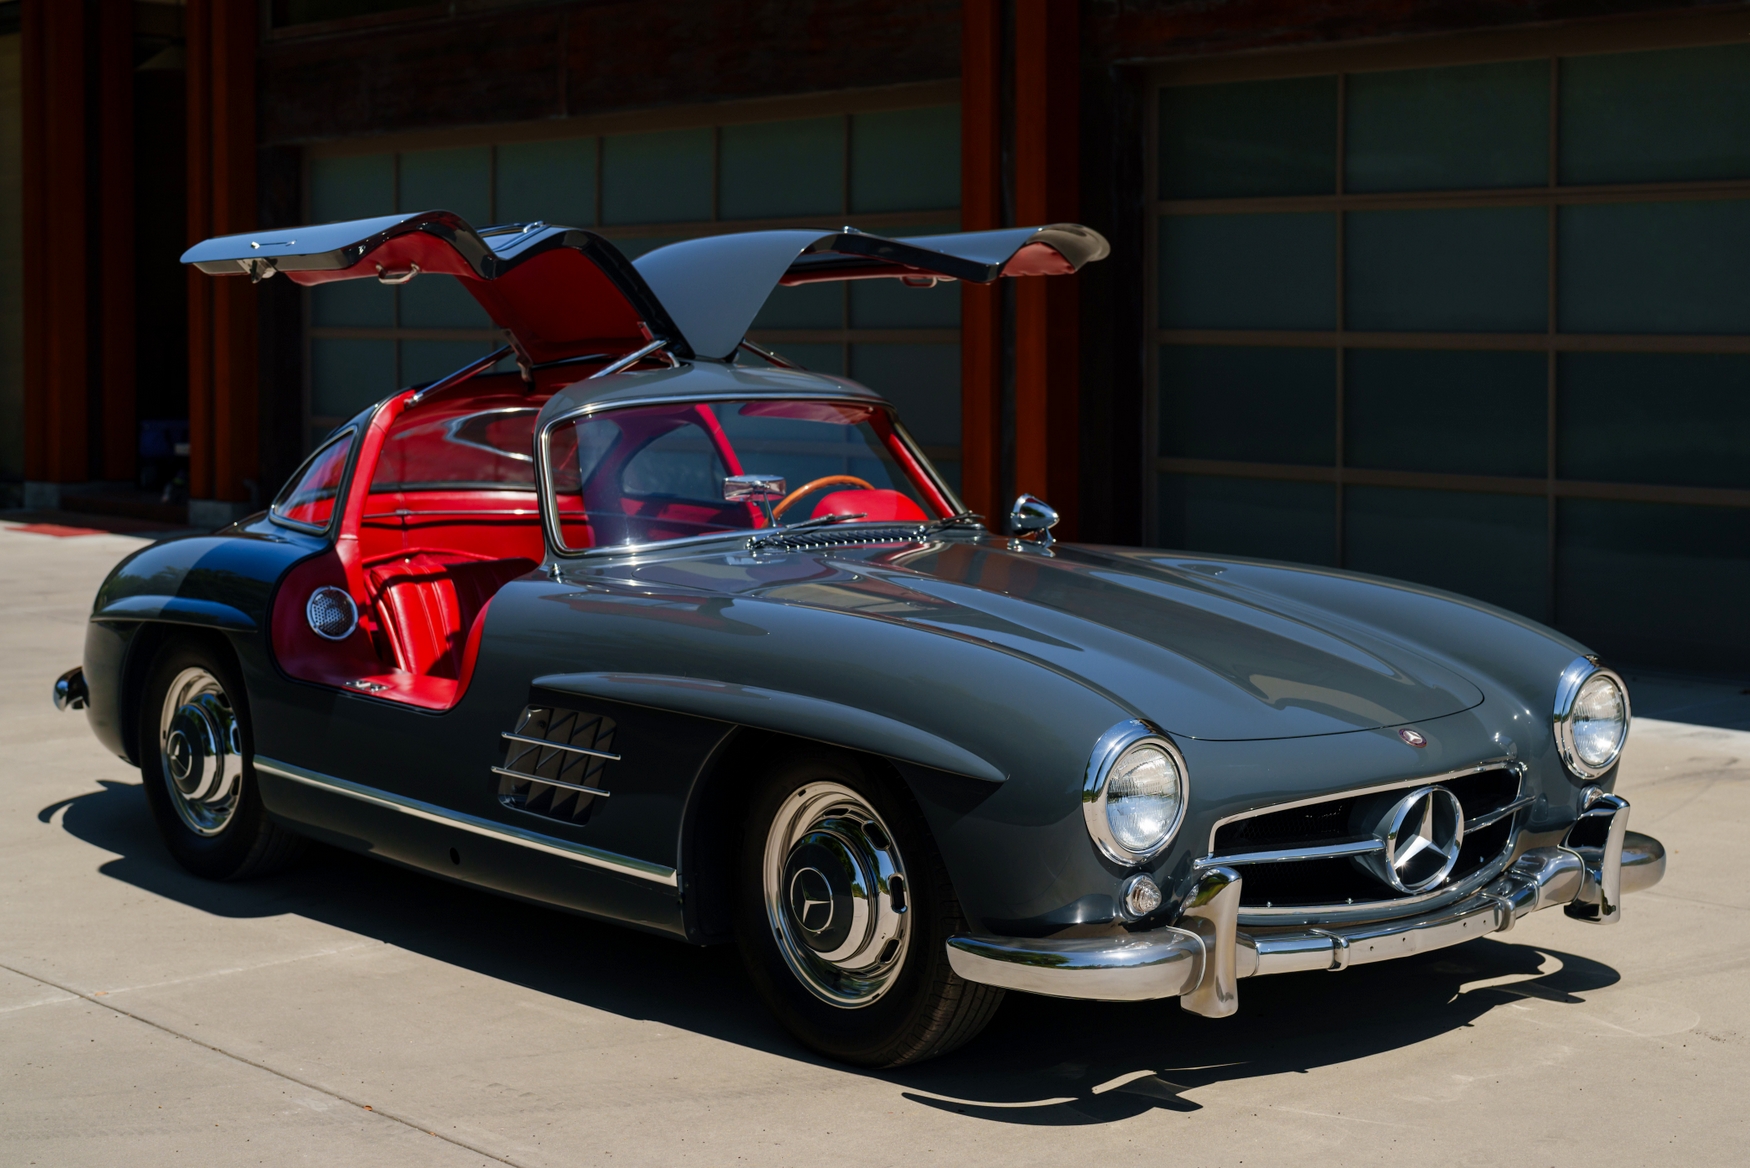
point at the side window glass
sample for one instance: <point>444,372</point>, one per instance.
<point>576,451</point>
<point>309,497</point>
<point>681,464</point>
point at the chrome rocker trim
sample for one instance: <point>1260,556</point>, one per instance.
<point>502,832</point>
<point>1203,954</point>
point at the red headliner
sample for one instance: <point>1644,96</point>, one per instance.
<point>558,303</point>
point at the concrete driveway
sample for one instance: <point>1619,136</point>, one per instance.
<point>348,1013</point>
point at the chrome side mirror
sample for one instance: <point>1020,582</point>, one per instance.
<point>755,488</point>
<point>1032,514</point>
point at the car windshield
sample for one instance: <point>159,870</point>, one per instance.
<point>651,473</point>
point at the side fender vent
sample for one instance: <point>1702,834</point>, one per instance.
<point>555,763</point>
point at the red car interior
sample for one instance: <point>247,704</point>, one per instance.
<point>441,514</point>
<point>558,304</point>
<point>442,511</point>
<point>874,505</point>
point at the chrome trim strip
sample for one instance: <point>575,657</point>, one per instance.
<point>527,778</point>
<point>502,832</point>
<point>559,746</point>
<point>1335,914</point>
<point>1333,950</point>
<point>405,513</point>
<point>1490,818</point>
<point>1499,764</point>
<point>1288,855</point>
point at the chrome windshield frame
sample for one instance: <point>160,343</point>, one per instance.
<point>548,494</point>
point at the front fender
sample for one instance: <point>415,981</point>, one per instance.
<point>787,713</point>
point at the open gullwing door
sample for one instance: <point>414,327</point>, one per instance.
<point>715,286</point>
<point>561,293</point>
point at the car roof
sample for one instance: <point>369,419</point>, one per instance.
<point>702,381</point>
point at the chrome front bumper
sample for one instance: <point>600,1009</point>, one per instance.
<point>1199,958</point>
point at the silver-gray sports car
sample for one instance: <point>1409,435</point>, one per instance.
<point>658,628</point>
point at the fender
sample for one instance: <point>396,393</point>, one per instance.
<point>179,610</point>
<point>786,713</point>
<point>219,582</point>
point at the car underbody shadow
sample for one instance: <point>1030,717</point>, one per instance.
<point>1052,1062</point>
<point>1042,1061</point>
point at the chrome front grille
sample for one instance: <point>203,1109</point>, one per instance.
<point>1301,859</point>
<point>555,763</point>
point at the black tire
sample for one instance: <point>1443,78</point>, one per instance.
<point>924,1009</point>
<point>243,842</point>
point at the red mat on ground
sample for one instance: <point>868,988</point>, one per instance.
<point>59,530</point>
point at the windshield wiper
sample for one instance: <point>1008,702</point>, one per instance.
<point>765,537</point>
<point>911,531</point>
<point>821,521</point>
<point>958,519</point>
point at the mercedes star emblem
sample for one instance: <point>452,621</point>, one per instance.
<point>1414,737</point>
<point>811,900</point>
<point>1419,840</point>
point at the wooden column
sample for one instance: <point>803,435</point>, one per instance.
<point>198,56</point>
<point>981,209</point>
<point>236,374</point>
<point>56,312</point>
<point>1047,162</point>
<point>115,236</point>
<point>224,442</point>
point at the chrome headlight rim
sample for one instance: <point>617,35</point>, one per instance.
<point>1574,679</point>
<point>1112,746</point>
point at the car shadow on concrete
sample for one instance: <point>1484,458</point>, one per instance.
<point>1042,1061</point>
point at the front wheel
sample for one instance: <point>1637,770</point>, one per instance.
<point>195,745</point>
<point>844,910</point>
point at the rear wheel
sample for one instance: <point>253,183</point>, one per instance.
<point>195,746</point>
<point>843,913</point>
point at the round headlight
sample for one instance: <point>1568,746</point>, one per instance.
<point>1134,796</point>
<point>1591,718</point>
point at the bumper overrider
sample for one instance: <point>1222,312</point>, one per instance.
<point>1202,955</point>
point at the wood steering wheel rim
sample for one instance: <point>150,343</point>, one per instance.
<point>826,481</point>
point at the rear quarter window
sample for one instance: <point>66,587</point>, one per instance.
<point>309,497</point>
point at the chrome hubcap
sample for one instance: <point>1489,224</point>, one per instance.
<point>836,895</point>
<point>201,749</point>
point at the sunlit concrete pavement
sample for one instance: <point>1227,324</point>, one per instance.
<point>349,1013</point>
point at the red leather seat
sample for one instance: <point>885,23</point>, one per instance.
<point>427,604</point>
<point>877,505</point>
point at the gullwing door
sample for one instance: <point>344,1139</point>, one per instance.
<point>559,293</point>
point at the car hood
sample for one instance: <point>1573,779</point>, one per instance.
<point>1200,657</point>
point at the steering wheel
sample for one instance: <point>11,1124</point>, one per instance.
<point>827,481</point>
